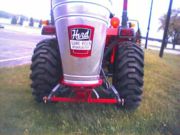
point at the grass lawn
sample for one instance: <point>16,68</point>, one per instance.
<point>159,113</point>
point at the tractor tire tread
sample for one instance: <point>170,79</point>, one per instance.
<point>128,74</point>
<point>45,68</point>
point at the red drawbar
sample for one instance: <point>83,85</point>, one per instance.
<point>82,85</point>
<point>76,100</point>
<point>83,96</point>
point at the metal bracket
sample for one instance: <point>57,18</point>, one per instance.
<point>112,89</point>
<point>54,90</point>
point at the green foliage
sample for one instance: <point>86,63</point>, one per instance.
<point>174,26</point>
<point>157,115</point>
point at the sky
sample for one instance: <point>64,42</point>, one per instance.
<point>137,9</point>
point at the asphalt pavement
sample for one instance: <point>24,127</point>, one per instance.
<point>17,45</point>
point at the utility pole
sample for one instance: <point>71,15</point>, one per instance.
<point>149,22</point>
<point>164,41</point>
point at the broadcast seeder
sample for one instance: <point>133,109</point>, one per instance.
<point>92,58</point>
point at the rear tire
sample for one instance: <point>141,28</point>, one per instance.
<point>128,74</point>
<point>46,68</point>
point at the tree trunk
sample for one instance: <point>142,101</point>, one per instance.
<point>174,44</point>
<point>174,41</point>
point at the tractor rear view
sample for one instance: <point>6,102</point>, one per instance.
<point>87,60</point>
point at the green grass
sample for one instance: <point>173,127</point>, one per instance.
<point>159,113</point>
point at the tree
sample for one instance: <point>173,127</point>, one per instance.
<point>31,22</point>
<point>20,20</point>
<point>174,26</point>
<point>14,20</point>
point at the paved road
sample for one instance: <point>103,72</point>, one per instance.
<point>16,47</point>
<point>153,45</point>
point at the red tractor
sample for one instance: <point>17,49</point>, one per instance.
<point>88,60</point>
